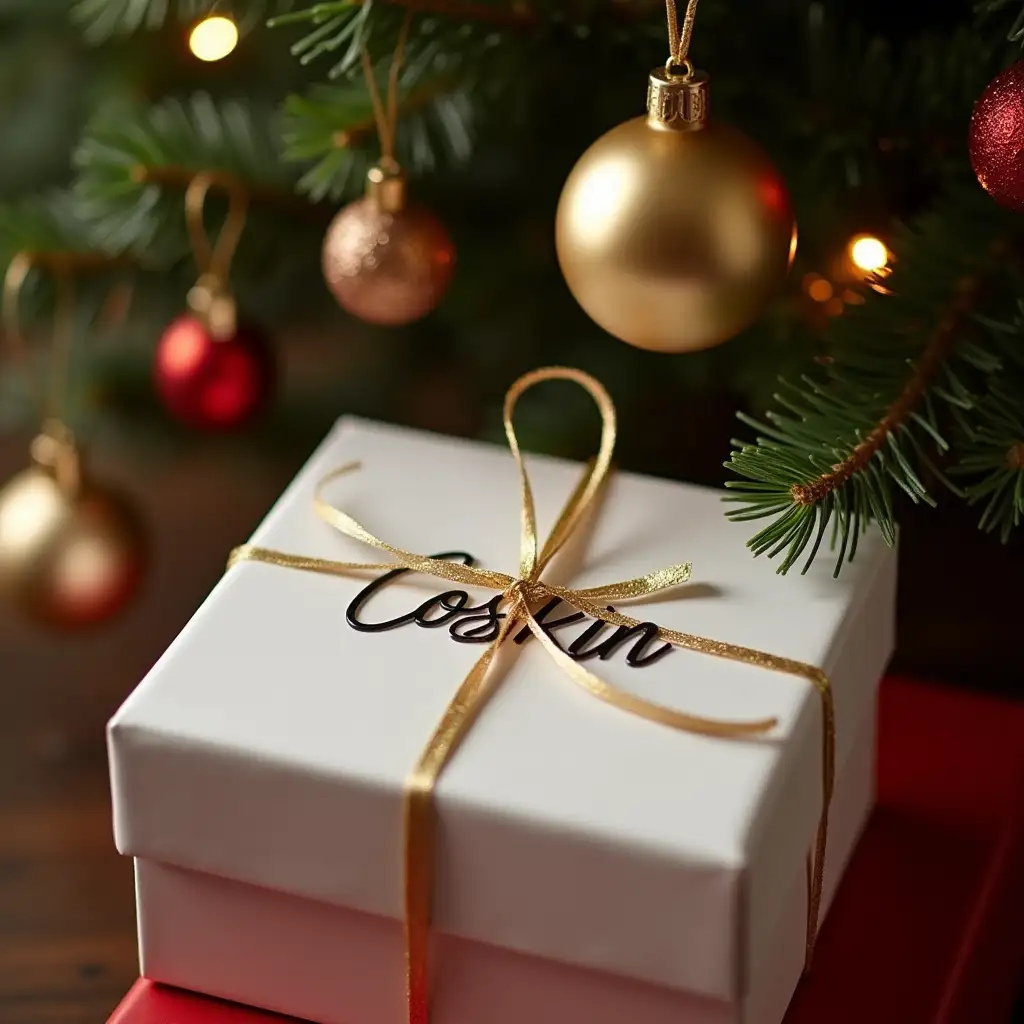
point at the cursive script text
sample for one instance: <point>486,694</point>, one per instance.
<point>479,623</point>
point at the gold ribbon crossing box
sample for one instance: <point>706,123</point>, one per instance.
<point>486,747</point>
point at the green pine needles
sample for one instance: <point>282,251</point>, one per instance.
<point>993,438</point>
<point>913,389</point>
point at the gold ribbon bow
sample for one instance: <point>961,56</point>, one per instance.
<point>521,593</point>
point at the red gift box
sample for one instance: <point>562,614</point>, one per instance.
<point>926,926</point>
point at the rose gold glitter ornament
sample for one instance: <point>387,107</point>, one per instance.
<point>387,261</point>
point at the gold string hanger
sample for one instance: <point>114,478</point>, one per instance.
<point>385,182</point>
<point>50,396</point>
<point>55,446</point>
<point>215,260</point>
<point>211,298</point>
<point>680,37</point>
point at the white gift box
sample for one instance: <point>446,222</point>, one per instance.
<point>592,867</point>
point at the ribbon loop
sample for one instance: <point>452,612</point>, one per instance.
<point>520,593</point>
<point>582,498</point>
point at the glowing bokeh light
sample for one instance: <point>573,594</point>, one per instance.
<point>213,38</point>
<point>869,254</point>
<point>820,290</point>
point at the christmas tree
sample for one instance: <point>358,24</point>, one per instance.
<point>180,163</point>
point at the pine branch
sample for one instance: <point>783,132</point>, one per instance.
<point>503,14</point>
<point>134,164</point>
<point>465,33</point>
<point>335,126</point>
<point>994,457</point>
<point>43,224</point>
<point>1016,31</point>
<point>896,416</point>
<point>102,19</point>
<point>991,442</point>
<point>869,424</point>
<point>48,229</point>
<point>348,26</point>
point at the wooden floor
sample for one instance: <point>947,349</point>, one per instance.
<point>66,918</point>
<point>67,943</point>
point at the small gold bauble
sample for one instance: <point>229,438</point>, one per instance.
<point>385,260</point>
<point>67,558</point>
<point>674,231</point>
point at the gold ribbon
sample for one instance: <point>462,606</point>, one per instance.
<point>521,593</point>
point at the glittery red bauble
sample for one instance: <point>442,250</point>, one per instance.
<point>213,383</point>
<point>997,137</point>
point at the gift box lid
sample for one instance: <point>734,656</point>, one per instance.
<point>271,742</point>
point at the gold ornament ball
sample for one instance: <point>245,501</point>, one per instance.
<point>674,235</point>
<point>387,262</point>
<point>67,560</point>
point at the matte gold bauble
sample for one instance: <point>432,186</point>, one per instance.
<point>387,261</point>
<point>71,553</point>
<point>674,231</point>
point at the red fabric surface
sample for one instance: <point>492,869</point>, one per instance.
<point>928,925</point>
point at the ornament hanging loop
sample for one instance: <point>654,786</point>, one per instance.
<point>210,298</point>
<point>14,281</point>
<point>55,448</point>
<point>680,36</point>
<point>385,182</point>
<point>680,69</point>
<point>677,94</point>
<point>215,260</point>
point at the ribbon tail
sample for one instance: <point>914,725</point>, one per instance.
<point>649,710</point>
<point>747,655</point>
<point>816,860</point>
<point>453,572</point>
<point>628,590</point>
<point>324,566</point>
<point>420,818</point>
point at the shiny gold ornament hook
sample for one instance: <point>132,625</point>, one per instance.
<point>686,64</point>
<point>210,298</point>
<point>680,36</point>
<point>215,260</point>
<point>385,181</point>
<point>52,399</point>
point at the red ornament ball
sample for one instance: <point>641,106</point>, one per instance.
<point>997,137</point>
<point>213,383</point>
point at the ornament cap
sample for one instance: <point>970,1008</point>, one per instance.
<point>215,306</point>
<point>385,186</point>
<point>677,98</point>
<point>55,452</point>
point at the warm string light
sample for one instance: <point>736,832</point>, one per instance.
<point>865,258</point>
<point>213,38</point>
<point>868,254</point>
